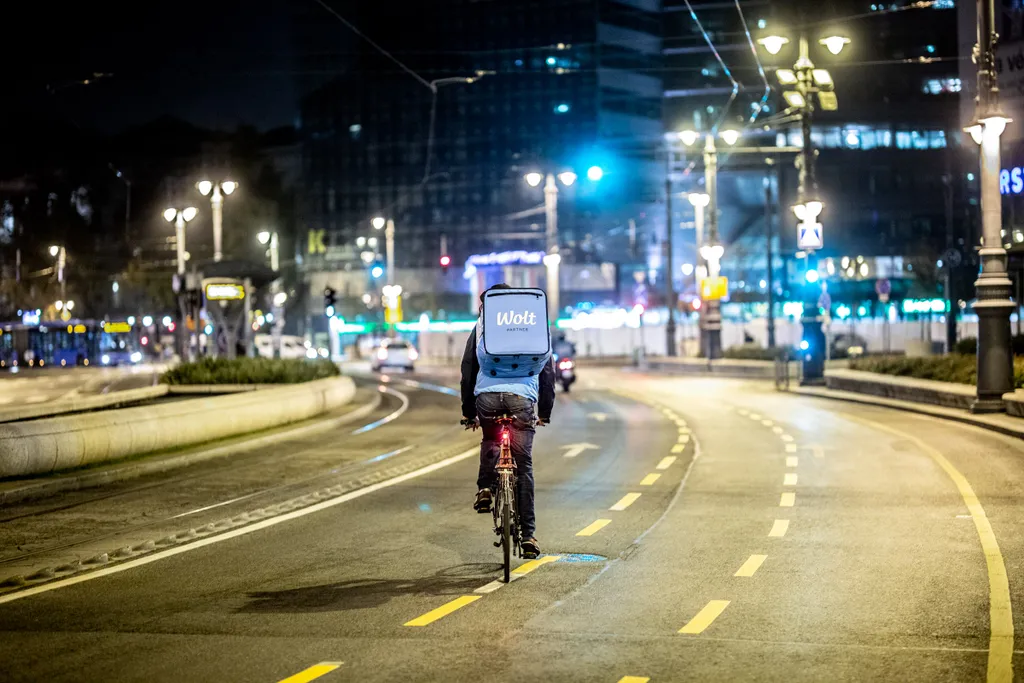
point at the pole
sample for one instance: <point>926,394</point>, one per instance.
<point>995,356</point>
<point>713,321</point>
<point>770,278</point>
<point>553,259</point>
<point>389,250</point>
<point>217,206</point>
<point>947,186</point>
<point>61,262</point>
<point>698,224</point>
<point>182,332</point>
<point>670,295</point>
<point>275,287</point>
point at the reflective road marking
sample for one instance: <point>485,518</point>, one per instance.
<point>634,679</point>
<point>313,672</point>
<point>786,437</point>
<point>650,479</point>
<point>752,564</point>
<point>625,502</point>
<point>666,462</point>
<point>779,528</point>
<point>705,617</point>
<point>594,528</point>
<point>787,500</point>
<point>789,479</point>
<point>792,461</point>
<point>791,448</point>
<point>679,448</point>
<point>443,611</point>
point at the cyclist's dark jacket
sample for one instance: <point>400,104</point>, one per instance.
<point>470,368</point>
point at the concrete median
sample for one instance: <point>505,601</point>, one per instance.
<point>59,443</point>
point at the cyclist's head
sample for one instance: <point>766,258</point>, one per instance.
<point>500,285</point>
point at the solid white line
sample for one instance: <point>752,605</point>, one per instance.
<point>234,533</point>
<point>215,505</point>
<point>389,418</point>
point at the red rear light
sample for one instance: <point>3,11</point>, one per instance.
<point>504,436</point>
<point>565,365</point>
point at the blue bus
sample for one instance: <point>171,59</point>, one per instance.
<point>72,343</point>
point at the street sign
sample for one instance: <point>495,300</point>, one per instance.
<point>714,288</point>
<point>116,327</point>
<point>393,312</point>
<point>223,291</point>
<point>809,236</point>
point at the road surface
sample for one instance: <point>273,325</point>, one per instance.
<point>695,530</point>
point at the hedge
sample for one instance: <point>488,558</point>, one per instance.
<point>970,345</point>
<point>250,371</point>
<point>753,352</point>
<point>955,367</point>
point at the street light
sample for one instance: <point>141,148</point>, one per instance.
<point>773,43</point>
<point>389,244</point>
<point>567,178</point>
<point>61,254</point>
<point>835,44</point>
<point>218,190</point>
<point>269,238</point>
<point>54,250</point>
<point>533,179</point>
<point>180,217</point>
<point>379,222</point>
<point>730,136</point>
<point>595,173</point>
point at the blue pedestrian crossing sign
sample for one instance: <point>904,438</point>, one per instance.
<point>809,236</point>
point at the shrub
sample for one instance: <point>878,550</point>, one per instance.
<point>970,345</point>
<point>250,371</point>
<point>954,367</point>
<point>753,352</point>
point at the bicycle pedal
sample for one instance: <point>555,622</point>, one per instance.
<point>497,544</point>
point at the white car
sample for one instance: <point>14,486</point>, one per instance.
<point>394,353</point>
<point>291,346</point>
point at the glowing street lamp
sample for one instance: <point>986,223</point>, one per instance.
<point>217,192</point>
<point>773,43</point>
<point>567,178</point>
<point>835,43</point>
<point>533,178</point>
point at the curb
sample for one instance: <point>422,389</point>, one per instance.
<point>134,470</point>
<point>12,584</point>
<point>992,424</point>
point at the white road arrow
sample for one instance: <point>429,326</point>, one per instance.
<point>600,417</point>
<point>574,449</point>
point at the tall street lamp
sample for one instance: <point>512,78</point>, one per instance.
<point>61,254</point>
<point>552,258</point>
<point>270,239</point>
<point>711,312</point>
<point>217,192</point>
<point>700,201</point>
<point>388,225</point>
<point>180,217</point>
<point>804,84</point>
<point>994,287</point>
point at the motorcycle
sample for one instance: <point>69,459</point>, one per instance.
<point>566,372</point>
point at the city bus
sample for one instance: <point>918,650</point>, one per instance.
<point>68,344</point>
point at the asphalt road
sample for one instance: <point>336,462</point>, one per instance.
<point>703,530</point>
<point>41,385</point>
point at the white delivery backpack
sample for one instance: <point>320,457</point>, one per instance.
<point>515,342</point>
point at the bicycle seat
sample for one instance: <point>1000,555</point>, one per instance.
<point>504,420</point>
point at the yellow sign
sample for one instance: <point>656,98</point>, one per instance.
<point>222,291</point>
<point>714,288</point>
<point>316,242</point>
<point>393,313</point>
<point>79,329</point>
<point>116,328</point>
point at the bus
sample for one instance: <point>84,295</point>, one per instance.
<point>68,344</point>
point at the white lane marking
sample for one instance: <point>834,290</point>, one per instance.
<point>243,531</point>
<point>600,417</point>
<point>575,449</point>
<point>216,505</point>
<point>792,461</point>
<point>36,398</point>
<point>387,418</point>
<point>789,479</point>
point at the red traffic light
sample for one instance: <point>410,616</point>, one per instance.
<point>446,261</point>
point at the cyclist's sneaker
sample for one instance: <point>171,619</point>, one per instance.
<point>531,548</point>
<point>482,503</point>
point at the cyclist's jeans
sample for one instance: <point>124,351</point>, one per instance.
<point>489,407</point>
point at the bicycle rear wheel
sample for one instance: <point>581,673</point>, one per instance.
<point>506,535</point>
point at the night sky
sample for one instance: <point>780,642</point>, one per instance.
<point>216,64</point>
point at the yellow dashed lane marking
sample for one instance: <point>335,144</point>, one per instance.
<point>791,448</point>
<point>792,461</point>
<point>312,673</point>
<point>527,567</point>
<point>684,438</point>
<point>789,479</point>
<point>1000,643</point>
<point>634,679</point>
<point>786,437</point>
<point>679,448</point>
<point>752,564</point>
<point>778,430</point>
<point>767,423</point>
<point>650,479</point>
<point>666,462</point>
<point>443,611</point>
<point>625,501</point>
<point>788,500</point>
<point>704,617</point>
<point>779,528</point>
<point>593,528</point>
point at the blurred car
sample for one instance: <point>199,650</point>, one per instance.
<point>848,345</point>
<point>291,346</point>
<point>394,353</point>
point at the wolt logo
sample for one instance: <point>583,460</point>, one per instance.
<point>513,318</point>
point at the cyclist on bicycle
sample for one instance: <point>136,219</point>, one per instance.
<point>528,401</point>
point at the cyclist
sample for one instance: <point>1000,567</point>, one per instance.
<point>528,400</point>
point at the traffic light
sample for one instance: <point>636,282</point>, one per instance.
<point>330,300</point>
<point>446,261</point>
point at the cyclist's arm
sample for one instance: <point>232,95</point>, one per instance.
<point>546,399</point>
<point>470,368</point>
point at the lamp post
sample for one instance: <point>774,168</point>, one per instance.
<point>711,312</point>
<point>994,287</point>
<point>61,254</point>
<point>217,192</point>
<point>700,201</point>
<point>552,258</point>
<point>180,217</point>
<point>808,84</point>
<point>270,239</point>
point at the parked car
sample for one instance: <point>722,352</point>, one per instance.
<point>394,353</point>
<point>848,345</point>
<point>291,346</point>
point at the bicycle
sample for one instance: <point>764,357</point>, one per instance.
<point>503,508</point>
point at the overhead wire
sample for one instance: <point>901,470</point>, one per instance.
<point>725,67</point>
<point>757,60</point>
